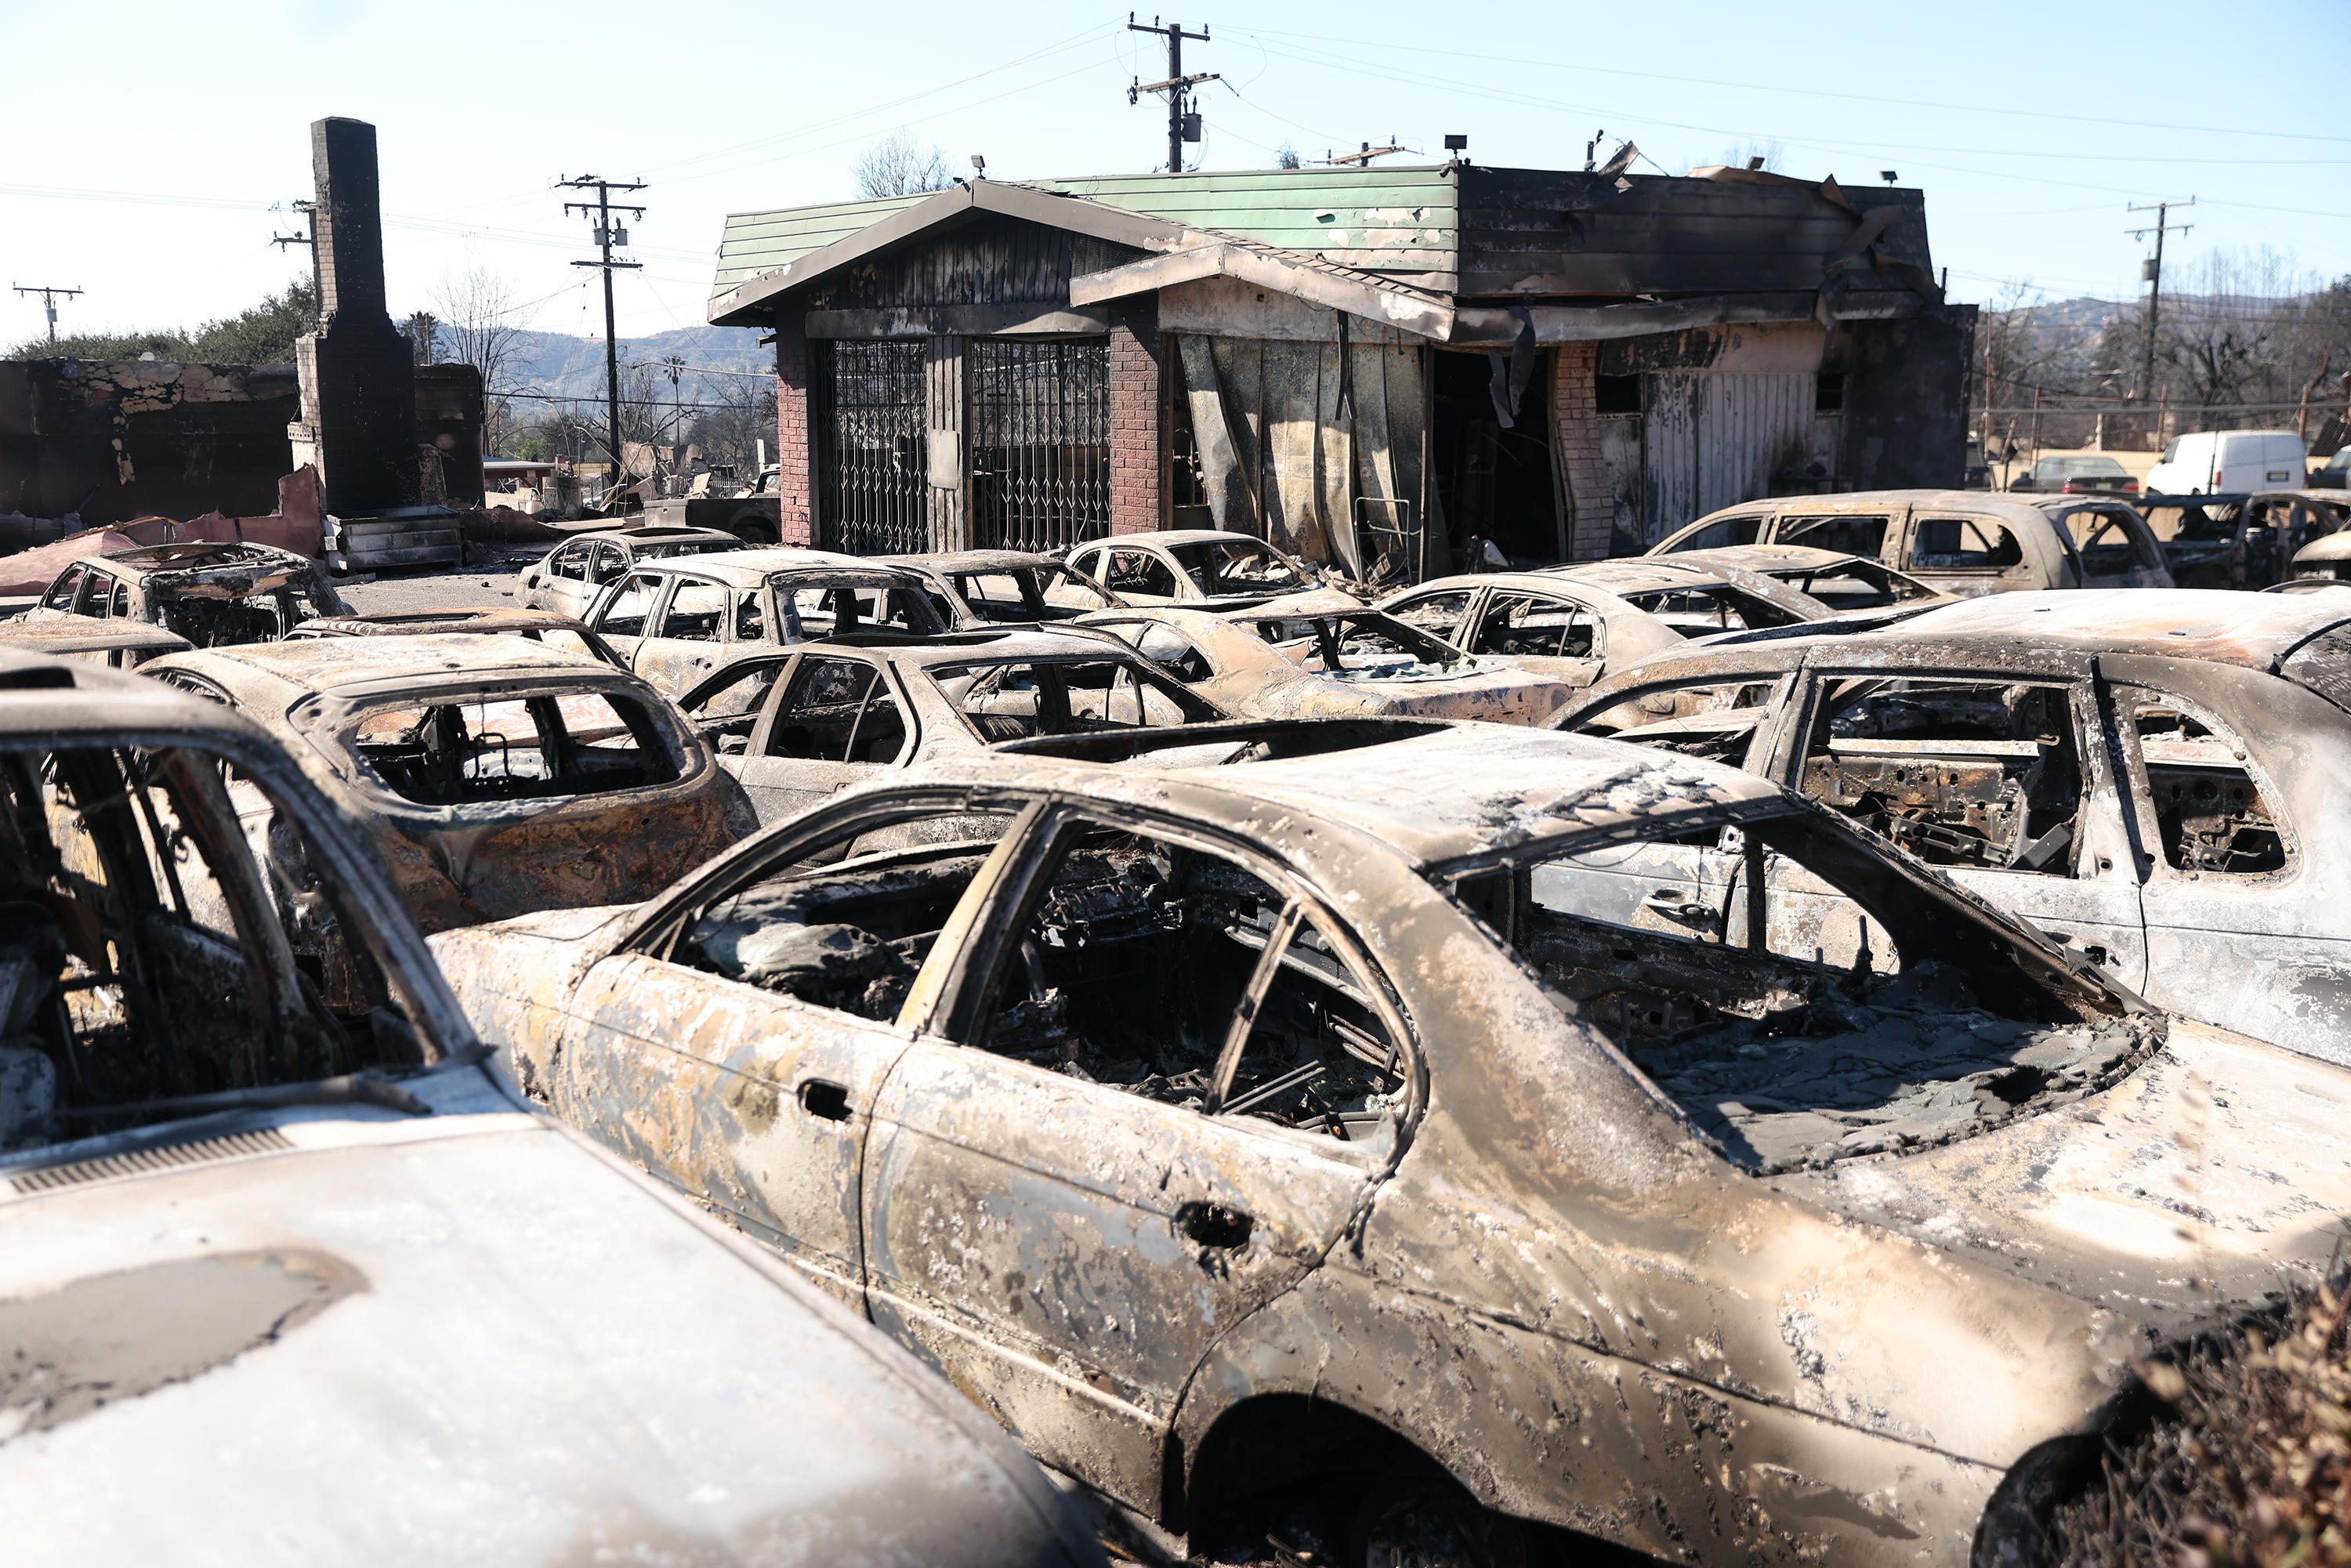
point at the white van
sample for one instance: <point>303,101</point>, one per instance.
<point>2227,462</point>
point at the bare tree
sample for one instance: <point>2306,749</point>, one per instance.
<point>1746,153</point>
<point>897,166</point>
<point>477,320</point>
<point>1286,157</point>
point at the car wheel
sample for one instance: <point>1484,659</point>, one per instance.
<point>1432,1523</point>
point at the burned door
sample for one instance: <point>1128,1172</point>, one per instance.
<point>1175,1080</point>
<point>1544,632</point>
<point>1040,442</point>
<point>2243,921</point>
<point>735,1050</point>
<point>872,462</point>
<point>628,611</point>
<point>2003,784</point>
<point>832,723</point>
<point>683,637</point>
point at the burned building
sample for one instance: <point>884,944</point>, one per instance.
<point>1363,365</point>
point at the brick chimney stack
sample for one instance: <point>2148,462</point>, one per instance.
<point>357,370</point>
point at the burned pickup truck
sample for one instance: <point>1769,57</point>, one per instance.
<point>1367,1130</point>
<point>214,595</point>
<point>2157,779</point>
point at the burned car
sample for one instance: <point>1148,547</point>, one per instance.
<point>542,626</point>
<point>1349,664</point>
<point>499,777</point>
<point>1002,586</point>
<point>118,644</point>
<point>250,1251</point>
<point>2150,778</point>
<point>797,725</point>
<point>1202,569</point>
<point>1961,542</point>
<point>1846,585</point>
<point>2238,541</point>
<point>214,595</point>
<point>1344,1122</point>
<point>676,622</point>
<point>568,577</point>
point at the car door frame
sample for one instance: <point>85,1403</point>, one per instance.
<point>1581,672</point>
<point>1465,625</point>
<point>2110,925</point>
<point>624,644</point>
<point>815,777</point>
<point>1090,1421</point>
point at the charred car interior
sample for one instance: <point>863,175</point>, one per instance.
<point>489,748</point>
<point>1841,1013</point>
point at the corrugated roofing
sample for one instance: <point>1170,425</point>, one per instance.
<point>1394,220</point>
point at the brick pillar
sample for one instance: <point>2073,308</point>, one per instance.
<point>796,477</point>
<point>1138,437</point>
<point>1590,516</point>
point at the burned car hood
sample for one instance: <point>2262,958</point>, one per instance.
<point>2203,1181</point>
<point>329,1335</point>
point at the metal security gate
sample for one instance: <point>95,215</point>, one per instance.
<point>870,471</point>
<point>1039,443</point>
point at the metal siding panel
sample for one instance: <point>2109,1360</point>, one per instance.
<point>1749,425</point>
<point>1669,451</point>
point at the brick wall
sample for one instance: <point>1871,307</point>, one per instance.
<point>1589,516</point>
<point>796,478</point>
<point>1138,463</point>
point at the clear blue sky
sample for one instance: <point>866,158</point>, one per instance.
<point>146,143</point>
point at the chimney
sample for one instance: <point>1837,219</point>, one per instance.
<point>359,394</point>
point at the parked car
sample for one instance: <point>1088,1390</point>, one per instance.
<point>212,594</point>
<point>1961,542</point>
<point>795,724</point>
<point>1203,569</point>
<point>499,776</point>
<point>2325,559</point>
<point>677,621</point>
<point>569,576</point>
<point>1844,585</point>
<point>2153,778</point>
<point>2079,473</point>
<point>544,626</point>
<point>1359,663</point>
<point>2336,473</point>
<point>2237,541</point>
<point>1341,1125</point>
<point>327,1290</point>
<point>118,644</point>
<point>1000,586</point>
<point>2222,462</point>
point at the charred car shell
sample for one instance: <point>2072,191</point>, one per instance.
<point>1517,1257</point>
<point>214,595</point>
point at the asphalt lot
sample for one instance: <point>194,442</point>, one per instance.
<point>490,583</point>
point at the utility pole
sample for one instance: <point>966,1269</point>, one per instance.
<point>1182,122</point>
<point>310,213</point>
<point>2152,272</point>
<point>607,236</point>
<point>48,301</point>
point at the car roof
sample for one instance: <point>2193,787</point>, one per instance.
<point>344,663</point>
<point>489,618</point>
<point>749,567</point>
<point>2213,624</point>
<point>1172,537</point>
<point>88,635</point>
<point>49,699</point>
<point>195,556</point>
<point>1443,795</point>
<point>988,645</point>
<point>1764,558</point>
<point>653,534</point>
<point>971,561</point>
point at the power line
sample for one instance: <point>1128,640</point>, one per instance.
<point>608,234</point>
<point>2154,273</point>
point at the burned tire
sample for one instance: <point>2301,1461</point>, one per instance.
<point>1423,1521</point>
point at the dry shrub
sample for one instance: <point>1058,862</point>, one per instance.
<point>2250,1466</point>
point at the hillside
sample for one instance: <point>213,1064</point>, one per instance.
<point>567,366</point>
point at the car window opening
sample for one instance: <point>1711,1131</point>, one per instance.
<point>2211,815</point>
<point>1180,975</point>
<point>1960,773</point>
<point>538,748</point>
<point>1790,1029</point>
<point>1715,720</point>
<point>1019,699</point>
<point>144,956</point>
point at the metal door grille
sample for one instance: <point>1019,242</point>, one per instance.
<point>1039,443</point>
<point>872,473</point>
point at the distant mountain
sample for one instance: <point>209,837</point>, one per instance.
<point>567,366</point>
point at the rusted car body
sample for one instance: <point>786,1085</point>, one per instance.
<point>795,725</point>
<point>1339,1117</point>
<point>2155,779</point>
<point>1580,630</point>
<point>250,1252</point>
<point>499,776</point>
<point>1845,585</point>
<point>542,626</point>
<point>677,621</point>
<point>1961,542</point>
<point>118,644</point>
<point>214,595</point>
<point>1200,568</point>
<point>2239,541</point>
<point>568,577</point>
<point>1356,664</point>
<point>1008,587</point>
